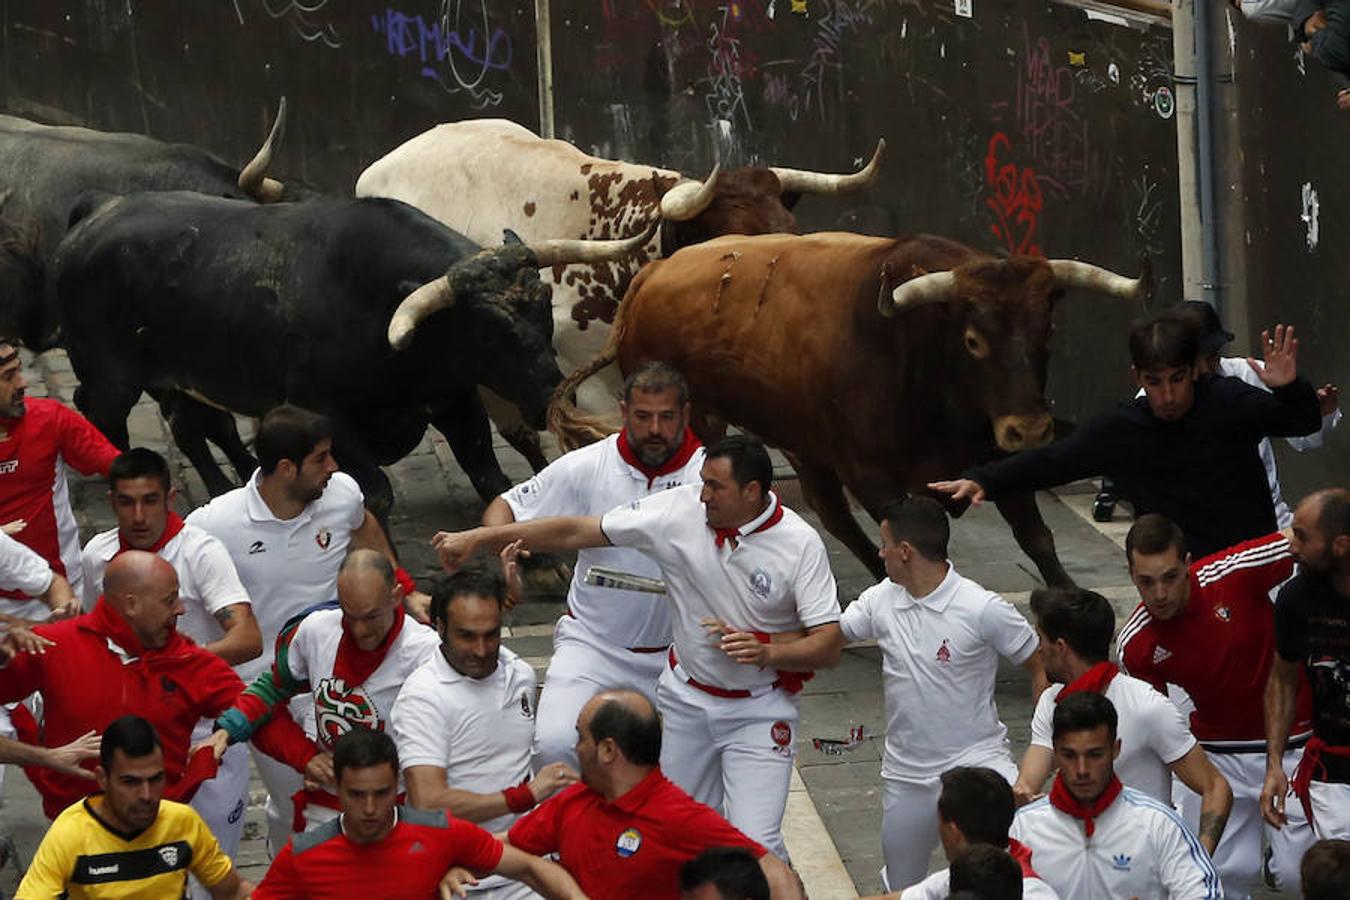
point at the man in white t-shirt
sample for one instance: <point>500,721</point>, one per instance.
<point>464,721</point>
<point>287,532</point>
<point>739,568</point>
<point>1094,837</point>
<point>609,638</point>
<point>217,613</point>
<point>975,808</point>
<point>1075,627</point>
<point>24,570</point>
<point>941,636</point>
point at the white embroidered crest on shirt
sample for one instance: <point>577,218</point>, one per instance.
<point>761,584</point>
<point>1160,654</point>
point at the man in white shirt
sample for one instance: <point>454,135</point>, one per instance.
<point>464,721</point>
<point>940,636</point>
<point>217,613</point>
<point>975,808</point>
<point>287,532</point>
<point>1075,627</point>
<point>609,638</point>
<point>23,569</point>
<point>736,562</point>
<point>1094,837</point>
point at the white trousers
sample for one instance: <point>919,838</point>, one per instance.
<point>909,822</point>
<point>1239,855</point>
<point>222,801</point>
<point>734,754</point>
<point>1331,809</point>
<point>577,672</point>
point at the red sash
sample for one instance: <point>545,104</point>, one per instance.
<point>1311,765</point>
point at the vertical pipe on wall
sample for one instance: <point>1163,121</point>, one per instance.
<point>544,43</point>
<point>1183,67</point>
<point>1204,130</point>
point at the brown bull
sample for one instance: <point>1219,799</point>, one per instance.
<point>875,364</point>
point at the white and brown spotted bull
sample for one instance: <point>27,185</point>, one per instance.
<point>483,176</point>
<point>875,364</point>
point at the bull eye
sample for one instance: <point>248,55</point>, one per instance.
<point>976,345</point>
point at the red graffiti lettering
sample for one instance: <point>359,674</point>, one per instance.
<point>1014,197</point>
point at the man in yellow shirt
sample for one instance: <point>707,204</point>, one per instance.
<point>127,841</point>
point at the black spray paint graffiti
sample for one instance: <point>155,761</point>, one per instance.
<point>457,51</point>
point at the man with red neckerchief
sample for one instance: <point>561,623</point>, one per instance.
<point>610,638</point>
<point>1094,837</point>
<point>729,552</point>
<point>1208,627</point>
<point>127,657</point>
<point>351,660</point>
<point>39,440</point>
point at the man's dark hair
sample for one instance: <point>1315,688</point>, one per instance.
<point>1325,870</point>
<point>139,462</point>
<point>656,378</point>
<point>1167,341</point>
<point>732,870</point>
<point>7,340</point>
<point>979,802</point>
<point>362,748</point>
<point>638,736</point>
<point>1083,619</point>
<point>470,581</point>
<point>988,871</point>
<point>922,522</point>
<point>289,432</point>
<point>1084,711</point>
<point>134,736</point>
<point>749,460</point>
<point>1152,534</point>
<point>1333,514</point>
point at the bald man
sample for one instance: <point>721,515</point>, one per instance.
<point>127,657</point>
<point>351,657</point>
<point>625,829</point>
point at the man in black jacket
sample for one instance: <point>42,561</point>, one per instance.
<point>1187,449</point>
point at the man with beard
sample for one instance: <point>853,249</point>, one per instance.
<point>1312,635</point>
<point>609,638</point>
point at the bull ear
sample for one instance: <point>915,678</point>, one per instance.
<point>510,238</point>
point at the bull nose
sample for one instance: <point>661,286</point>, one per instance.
<point>1014,433</point>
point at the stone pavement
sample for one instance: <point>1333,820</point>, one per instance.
<point>834,814</point>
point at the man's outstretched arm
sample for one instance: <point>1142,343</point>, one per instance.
<point>456,548</point>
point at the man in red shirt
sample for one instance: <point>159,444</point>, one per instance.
<point>625,830</point>
<point>377,848</point>
<point>39,440</point>
<point>1209,627</point>
<point>127,657</point>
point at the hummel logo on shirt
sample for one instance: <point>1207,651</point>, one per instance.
<point>9,466</point>
<point>256,547</point>
<point>1160,654</point>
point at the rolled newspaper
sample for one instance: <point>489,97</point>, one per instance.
<point>601,576</point>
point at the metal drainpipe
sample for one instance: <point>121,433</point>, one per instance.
<point>544,43</point>
<point>1204,129</point>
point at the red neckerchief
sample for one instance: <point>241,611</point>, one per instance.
<point>172,525</point>
<point>1022,853</point>
<point>1096,680</point>
<point>688,444</point>
<point>354,665</point>
<point>720,535</point>
<point>1062,800</point>
<point>109,623</point>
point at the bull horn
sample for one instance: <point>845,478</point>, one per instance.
<point>935,287</point>
<point>801,181</point>
<point>689,198</point>
<point>429,298</point>
<point>562,252</point>
<point>253,179</point>
<point>1072,273</point>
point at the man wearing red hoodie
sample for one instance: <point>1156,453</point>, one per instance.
<point>127,657</point>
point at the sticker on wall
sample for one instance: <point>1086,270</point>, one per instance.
<point>1309,215</point>
<point>965,8</point>
<point>1077,59</point>
<point>799,7</point>
<point>1163,103</point>
<point>1113,73</point>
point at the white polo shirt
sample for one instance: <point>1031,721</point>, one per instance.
<point>478,729</point>
<point>938,885</point>
<point>775,580</point>
<point>338,706</point>
<point>1152,732</point>
<point>286,565</point>
<point>23,569</point>
<point>590,482</point>
<point>1139,848</point>
<point>939,660</point>
<point>207,581</point>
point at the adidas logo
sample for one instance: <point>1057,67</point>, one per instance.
<point>1120,862</point>
<point>256,547</point>
<point>1160,654</point>
<point>417,848</point>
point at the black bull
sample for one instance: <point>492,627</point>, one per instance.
<point>251,306</point>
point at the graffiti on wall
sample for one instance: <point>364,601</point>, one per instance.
<point>459,50</point>
<point>1013,196</point>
